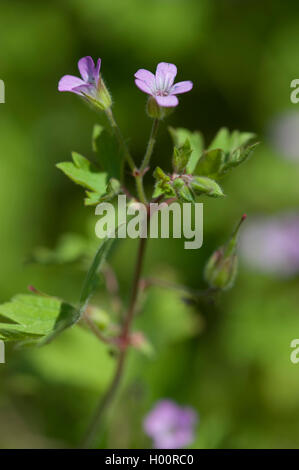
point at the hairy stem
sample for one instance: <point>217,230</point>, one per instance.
<point>124,343</point>
<point>128,157</point>
<point>150,145</point>
<point>140,187</point>
<point>148,153</point>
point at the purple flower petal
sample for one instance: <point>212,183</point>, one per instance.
<point>147,77</point>
<point>69,82</point>
<point>182,87</point>
<point>86,89</point>
<point>165,75</point>
<point>143,86</point>
<point>87,69</point>
<point>167,101</point>
<point>97,71</point>
<point>271,244</point>
<point>170,426</point>
<point>161,418</point>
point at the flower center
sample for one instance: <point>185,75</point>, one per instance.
<point>162,93</point>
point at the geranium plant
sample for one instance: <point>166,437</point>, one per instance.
<point>197,171</point>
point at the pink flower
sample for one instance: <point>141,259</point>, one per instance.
<point>270,244</point>
<point>90,86</point>
<point>170,426</point>
<point>161,85</point>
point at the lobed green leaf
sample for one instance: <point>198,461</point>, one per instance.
<point>34,317</point>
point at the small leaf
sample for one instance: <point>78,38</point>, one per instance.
<point>80,161</point>
<point>221,140</point>
<point>92,198</point>
<point>80,173</point>
<point>179,137</point>
<point>210,163</point>
<point>237,147</point>
<point>240,139</point>
<point>181,156</point>
<point>237,157</point>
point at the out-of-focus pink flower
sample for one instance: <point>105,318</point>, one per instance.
<point>284,135</point>
<point>272,244</point>
<point>170,426</point>
<point>161,86</point>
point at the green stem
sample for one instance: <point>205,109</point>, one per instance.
<point>150,145</point>
<point>140,187</point>
<point>149,150</point>
<point>128,157</point>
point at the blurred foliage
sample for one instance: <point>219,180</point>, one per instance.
<point>229,361</point>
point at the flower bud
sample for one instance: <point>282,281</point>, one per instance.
<point>182,191</point>
<point>112,190</point>
<point>207,186</point>
<point>221,269</point>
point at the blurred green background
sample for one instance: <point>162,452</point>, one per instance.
<point>230,362</point>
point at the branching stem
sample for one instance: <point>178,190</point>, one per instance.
<point>124,339</point>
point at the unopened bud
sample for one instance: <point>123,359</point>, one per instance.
<point>221,269</point>
<point>113,189</point>
<point>182,191</point>
<point>207,186</point>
